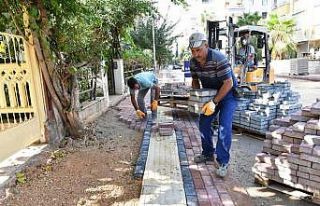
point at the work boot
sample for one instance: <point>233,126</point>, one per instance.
<point>222,170</point>
<point>202,158</point>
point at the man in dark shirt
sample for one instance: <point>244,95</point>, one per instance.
<point>211,68</point>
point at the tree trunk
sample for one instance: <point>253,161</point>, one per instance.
<point>68,115</point>
<point>72,125</point>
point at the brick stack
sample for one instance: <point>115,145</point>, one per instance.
<point>170,89</point>
<point>291,151</point>
<point>299,66</point>
<point>198,97</point>
<point>257,109</point>
<point>166,128</point>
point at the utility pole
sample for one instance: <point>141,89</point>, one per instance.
<point>154,46</point>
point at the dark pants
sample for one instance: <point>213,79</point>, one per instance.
<point>225,111</point>
<point>140,99</point>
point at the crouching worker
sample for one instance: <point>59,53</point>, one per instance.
<point>143,82</point>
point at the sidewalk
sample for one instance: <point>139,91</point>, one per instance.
<point>200,184</point>
<point>310,77</point>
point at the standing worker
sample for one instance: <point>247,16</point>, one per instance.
<point>211,68</point>
<point>143,82</point>
<point>246,52</point>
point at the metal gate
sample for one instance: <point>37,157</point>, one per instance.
<point>22,112</point>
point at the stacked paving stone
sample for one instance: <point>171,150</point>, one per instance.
<point>198,97</point>
<point>170,89</point>
<point>299,66</point>
<point>291,151</point>
<point>166,128</point>
<point>256,110</point>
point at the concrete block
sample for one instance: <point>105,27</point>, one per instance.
<point>315,177</point>
<point>298,127</point>
<point>310,131</point>
<point>265,158</point>
<point>312,139</point>
<point>316,166</point>
<point>303,175</point>
<point>282,160</point>
<point>298,116</point>
<point>295,159</point>
<point>308,170</point>
<point>313,124</point>
<point>310,158</point>
<point>203,92</point>
<point>305,148</point>
<point>289,132</point>
<point>264,167</point>
<point>316,150</point>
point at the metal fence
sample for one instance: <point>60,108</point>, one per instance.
<point>16,102</point>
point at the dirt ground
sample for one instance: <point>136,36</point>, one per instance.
<point>93,171</point>
<point>97,170</point>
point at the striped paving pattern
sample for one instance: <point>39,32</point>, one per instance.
<point>162,181</point>
<point>170,176</point>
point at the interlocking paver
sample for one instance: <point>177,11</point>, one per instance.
<point>165,182</point>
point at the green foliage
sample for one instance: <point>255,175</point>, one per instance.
<point>180,2</point>
<point>21,178</point>
<point>134,57</point>
<point>57,154</point>
<point>281,32</point>
<point>164,39</point>
<point>249,19</point>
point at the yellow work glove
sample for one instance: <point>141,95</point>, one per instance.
<point>154,105</point>
<point>208,108</point>
<point>140,114</point>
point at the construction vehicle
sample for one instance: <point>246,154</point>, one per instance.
<point>257,36</point>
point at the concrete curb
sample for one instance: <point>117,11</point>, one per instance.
<point>314,77</point>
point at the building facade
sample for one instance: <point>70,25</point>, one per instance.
<point>306,15</point>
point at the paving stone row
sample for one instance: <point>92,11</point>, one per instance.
<point>127,115</point>
<point>201,185</point>
<point>209,189</point>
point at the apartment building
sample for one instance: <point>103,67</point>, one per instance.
<point>306,14</point>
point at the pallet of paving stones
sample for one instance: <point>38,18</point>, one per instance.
<point>259,134</point>
<point>269,102</point>
<point>299,66</point>
<point>291,151</point>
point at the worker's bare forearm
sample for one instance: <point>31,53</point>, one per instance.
<point>134,102</point>
<point>195,84</point>
<point>223,91</point>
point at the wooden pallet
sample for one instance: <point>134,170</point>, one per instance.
<point>174,101</point>
<point>248,132</point>
<point>285,189</point>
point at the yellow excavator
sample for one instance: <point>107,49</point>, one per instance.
<point>247,50</point>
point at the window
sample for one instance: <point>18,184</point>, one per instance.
<point>264,15</point>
